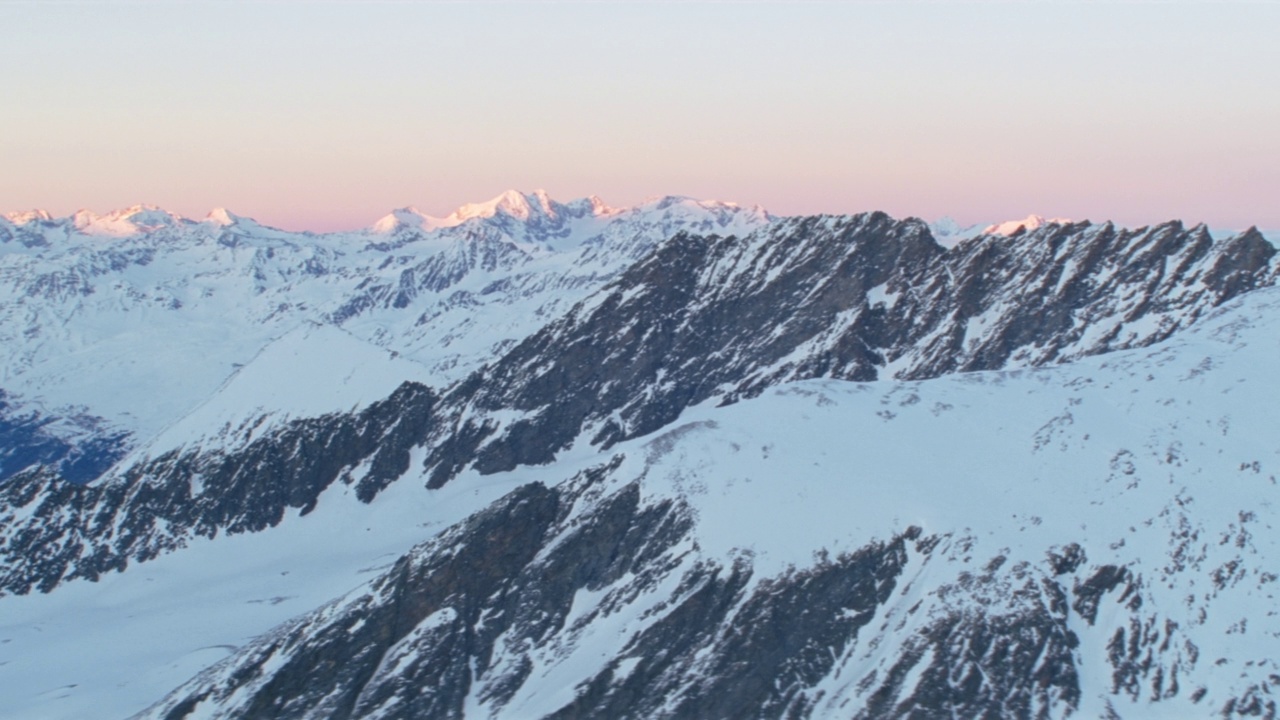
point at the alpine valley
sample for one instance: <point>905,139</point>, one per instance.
<point>682,460</point>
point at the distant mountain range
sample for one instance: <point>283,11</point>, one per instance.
<point>125,323</point>
<point>687,459</point>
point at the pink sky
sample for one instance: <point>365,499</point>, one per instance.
<point>326,116</point>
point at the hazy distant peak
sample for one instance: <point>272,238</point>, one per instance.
<point>222,217</point>
<point>27,216</point>
<point>405,217</point>
<point>668,202</point>
<point>598,206</point>
<point>1027,224</point>
<point>512,202</point>
<point>538,204</point>
<point>591,205</point>
<point>948,232</point>
<point>129,221</point>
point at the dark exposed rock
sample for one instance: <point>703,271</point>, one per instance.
<point>996,645</point>
<point>762,657</point>
<point>1066,559</point>
<point>1089,593</point>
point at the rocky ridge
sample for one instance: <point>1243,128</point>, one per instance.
<point>856,298</point>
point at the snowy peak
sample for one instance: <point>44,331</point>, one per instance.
<point>28,216</point>
<point>537,218</point>
<point>135,221</point>
<point>121,223</point>
<point>525,208</point>
<point>512,212</point>
<point>1027,224</point>
<point>528,207</point>
<point>511,203</point>
<point>405,218</point>
<point>950,233</point>
<point>598,206</point>
<point>222,217</point>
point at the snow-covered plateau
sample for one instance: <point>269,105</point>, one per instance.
<point>685,460</point>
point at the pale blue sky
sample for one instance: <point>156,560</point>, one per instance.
<point>326,115</point>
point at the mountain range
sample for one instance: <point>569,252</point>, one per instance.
<point>687,459</point>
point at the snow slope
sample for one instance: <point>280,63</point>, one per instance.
<point>311,371</point>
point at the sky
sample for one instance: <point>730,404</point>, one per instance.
<point>325,116</point>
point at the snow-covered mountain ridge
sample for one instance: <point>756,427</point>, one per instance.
<point>855,298</point>
<point>796,467</point>
<point>132,319</point>
<point>858,298</point>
